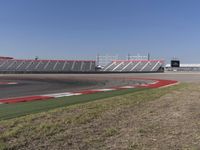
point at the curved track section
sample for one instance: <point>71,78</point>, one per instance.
<point>31,88</point>
<point>40,86</point>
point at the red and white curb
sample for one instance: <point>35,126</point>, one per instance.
<point>8,83</point>
<point>155,84</point>
<point>57,95</point>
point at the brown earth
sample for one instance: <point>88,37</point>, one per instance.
<point>170,122</point>
<point>160,119</point>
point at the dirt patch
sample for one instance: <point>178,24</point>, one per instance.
<point>171,122</point>
<point>149,119</point>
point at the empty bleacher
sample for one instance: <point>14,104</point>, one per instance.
<point>134,66</point>
<point>45,66</point>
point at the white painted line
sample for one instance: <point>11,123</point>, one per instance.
<point>12,83</point>
<point>103,90</point>
<point>57,95</point>
<point>8,83</point>
<point>177,83</point>
<point>127,87</point>
<point>154,82</point>
<point>76,94</point>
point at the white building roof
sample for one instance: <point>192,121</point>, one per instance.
<point>185,65</point>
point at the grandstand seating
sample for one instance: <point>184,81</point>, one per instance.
<point>40,66</point>
<point>134,66</point>
<point>66,66</point>
<point>2,57</point>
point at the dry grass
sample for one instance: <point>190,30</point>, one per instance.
<point>134,121</point>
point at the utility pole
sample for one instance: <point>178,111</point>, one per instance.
<point>149,57</point>
<point>129,56</point>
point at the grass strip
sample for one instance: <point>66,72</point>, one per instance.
<point>8,111</point>
<point>73,123</point>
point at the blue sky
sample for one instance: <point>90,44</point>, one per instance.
<point>79,29</point>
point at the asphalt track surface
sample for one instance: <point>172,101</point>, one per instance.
<point>34,84</point>
<point>29,85</point>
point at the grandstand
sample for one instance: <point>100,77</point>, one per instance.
<point>45,66</point>
<point>1,57</point>
<point>134,66</point>
<point>111,64</point>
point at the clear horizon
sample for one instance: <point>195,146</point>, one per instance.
<point>76,29</point>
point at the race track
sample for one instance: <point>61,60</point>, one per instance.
<point>28,85</point>
<point>34,84</point>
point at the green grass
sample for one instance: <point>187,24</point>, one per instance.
<point>86,125</point>
<point>8,111</point>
